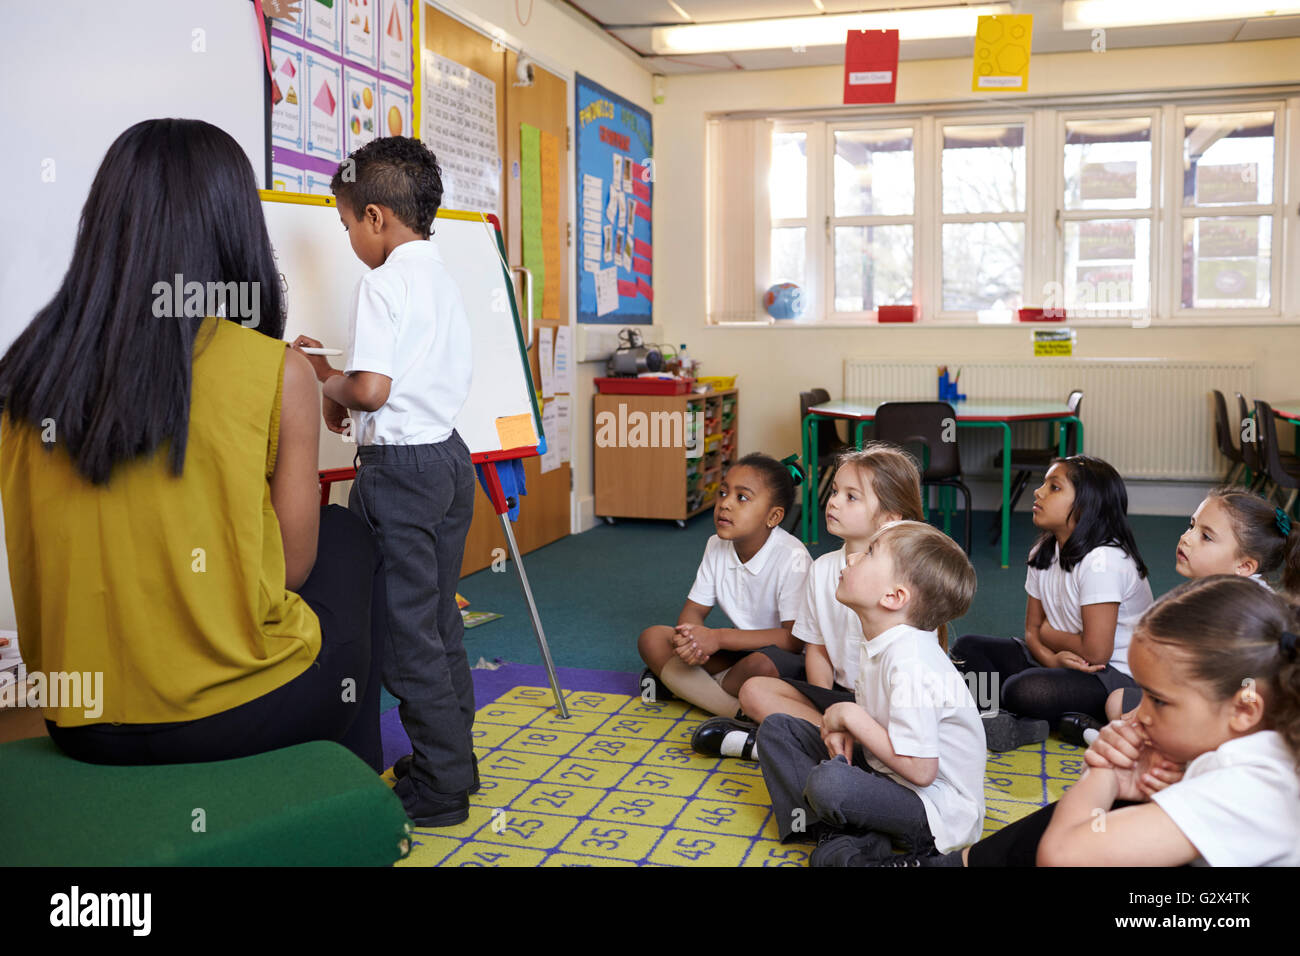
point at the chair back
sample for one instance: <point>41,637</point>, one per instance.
<point>1250,450</point>
<point>1266,436</point>
<point>924,424</point>
<point>1222,430</point>
<point>828,439</point>
<point>1074,403</point>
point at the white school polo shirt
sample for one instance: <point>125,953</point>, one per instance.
<point>1105,575</point>
<point>409,323</point>
<point>758,593</point>
<point>824,620</point>
<point>908,685</point>
<point>1240,805</point>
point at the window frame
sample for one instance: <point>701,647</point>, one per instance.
<point>934,293</point>
<point>1061,215</point>
<point>1173,228</point>
<point>1045,215</point>
<point>832,221</point>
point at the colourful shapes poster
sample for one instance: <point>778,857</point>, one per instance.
<point>323,27</point>
<point>1002,49</point>
<point>324,80</point>
<point>361,99</point>
<point>287,127</point>
<point>395,40</point>
<point>394,109</point>
<point>360,40</point>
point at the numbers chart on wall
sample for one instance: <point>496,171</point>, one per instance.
<point>617,784</point>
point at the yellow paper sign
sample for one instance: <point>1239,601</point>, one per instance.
<point>1002,53</point>
<point>516,431</point>
<point>1053,349</point>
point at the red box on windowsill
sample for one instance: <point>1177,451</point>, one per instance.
<point>896,313</point>
<point>1042,315</point>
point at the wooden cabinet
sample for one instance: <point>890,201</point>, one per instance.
<point>662,456</point>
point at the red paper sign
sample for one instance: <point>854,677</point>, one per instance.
<point>870,66</point>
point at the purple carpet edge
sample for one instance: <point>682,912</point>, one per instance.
<point>491,684</point>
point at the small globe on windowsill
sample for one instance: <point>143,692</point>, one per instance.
<point>784,301</point>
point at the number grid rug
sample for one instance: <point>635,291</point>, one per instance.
<point>617,784</point>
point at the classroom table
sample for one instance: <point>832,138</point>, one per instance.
<point>987,413</point>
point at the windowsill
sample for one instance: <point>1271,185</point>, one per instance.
<point>1207,322</point>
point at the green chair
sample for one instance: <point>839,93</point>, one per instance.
<point>313,804</point>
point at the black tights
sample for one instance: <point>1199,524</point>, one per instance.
<point>1022,687</point>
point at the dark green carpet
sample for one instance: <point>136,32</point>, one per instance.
<point>596,591</point>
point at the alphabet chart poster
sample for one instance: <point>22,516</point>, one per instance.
<point>340,76</point>
<point>614,147</point>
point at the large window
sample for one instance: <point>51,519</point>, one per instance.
<point>983,219</point>
<point>1228,210</point>
<point>1106,215</point>
<point>872,221</point>
<point>1133,214</point>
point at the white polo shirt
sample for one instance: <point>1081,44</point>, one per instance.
<point>758,593</point>
<point>1105,575</point>
<point>824,620</point>
<point>1239,805</point>
<point>908,685</point>
<point>409,323</point>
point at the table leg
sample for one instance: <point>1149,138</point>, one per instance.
<point>810,469</point>
<point>1006,494</point>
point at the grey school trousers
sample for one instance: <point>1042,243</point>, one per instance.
<point>419,500</point>
<point>812,792</point>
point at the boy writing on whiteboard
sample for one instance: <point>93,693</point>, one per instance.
<point>407,376</point>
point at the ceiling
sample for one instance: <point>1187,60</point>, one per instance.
<point>631,22</point>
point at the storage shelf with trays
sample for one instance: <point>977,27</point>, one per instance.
<point>643,472</point>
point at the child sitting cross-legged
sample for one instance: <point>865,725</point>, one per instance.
<point>904,763</point>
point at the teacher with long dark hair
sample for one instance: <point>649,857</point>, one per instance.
<point>158,471</point>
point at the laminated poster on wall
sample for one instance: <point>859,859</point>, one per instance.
<point>614,148</point>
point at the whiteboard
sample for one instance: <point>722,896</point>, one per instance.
<point>320,273</point>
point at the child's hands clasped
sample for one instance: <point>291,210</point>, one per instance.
<point>695,643</point>
<point>835,735</point>
<point>1140,769</point>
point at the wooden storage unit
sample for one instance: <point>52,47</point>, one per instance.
<point>640,456</point>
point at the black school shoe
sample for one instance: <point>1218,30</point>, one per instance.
<point>1003,731</point>
<point>659,691</point>
<point>708,737</point>
<point>836,848</point>
<point>429,809</point>
<point>402,768</point>
<point>1072,727</point>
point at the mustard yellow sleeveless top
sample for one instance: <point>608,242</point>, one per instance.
<point>173,587</point>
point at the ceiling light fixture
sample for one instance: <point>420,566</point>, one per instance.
<point>1094,14</point>
<point>786,32</point>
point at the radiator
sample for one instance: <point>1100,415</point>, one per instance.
<point>1150,418</point>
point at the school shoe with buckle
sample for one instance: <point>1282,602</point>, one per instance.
<point>402,768</point>
<point>708,737</point>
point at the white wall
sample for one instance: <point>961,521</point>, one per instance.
<point>555,36</point>
<point>775,364</point>
<point>565,43</point>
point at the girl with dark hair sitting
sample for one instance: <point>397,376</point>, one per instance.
<point>1087,588</point>
<point>158,468</point>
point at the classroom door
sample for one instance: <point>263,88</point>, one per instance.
<point>544,515</point>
